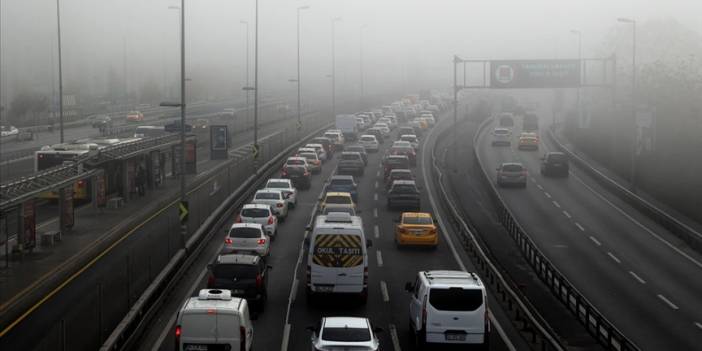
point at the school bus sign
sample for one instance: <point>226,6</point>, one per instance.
<point>517,74</point>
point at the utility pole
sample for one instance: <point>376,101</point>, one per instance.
<point>333,77</point>
<point>361,59</point>
<point>634,143</point>
<point>60,72</point>
<point>248,107</point>
<point>255,141</point>
<point>299,113</point>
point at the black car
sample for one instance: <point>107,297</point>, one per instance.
<point>398,174</point>
<point>360,149</point>
<point>101,121</point>
<point>405,130</point>
<point>377,133</point>
<point>326,144</point>
<point>245,274</point>
<point>299,175</point>
<point>554,164</point>
<point>403,194</point>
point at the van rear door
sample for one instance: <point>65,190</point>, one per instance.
<point>456,313</point>
<point>228,329</point>
<point>198,330</point>
<point>338,263</point>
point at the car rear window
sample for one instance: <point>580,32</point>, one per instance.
<point>456,299</point>
<point>404,188</point>
<point>309,156</point>
<point>359,149</point>
<point>349,157</point>
<point>346,334</point>
<point>295,162</point>
<point>341,182</point>
<point>557,158</point>
<point>398,162</point>
<point>512,168</point>
<point>245,233</point>
<point>246,271</point>
<point>417,220</point>
<point>255,212</point>
<point>267,196</point>
<point>278,185</point>
<point>348,210</point>
<point>335,199</point>
<point>501,132</point>
<point>367,138</point>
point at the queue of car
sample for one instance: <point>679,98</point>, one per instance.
<point>444,306</point>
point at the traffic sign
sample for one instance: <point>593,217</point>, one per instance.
<point>183,212</point>
<point>255,151</point>
<point>299,125</point>
<point>511,74</point>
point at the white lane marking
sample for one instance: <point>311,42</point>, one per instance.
<point>667,243</point>
<point>376,231</point>
<point>636,276</point>
<point>668,302</point>
<point>547,195</point>
<point>384,291</point>
<point>698,324</point>
<point>377,174</point>
<point>611,255</point>
<point>533,180</point>
<point>375,196</point>
<point>293,289</point>
<point>375,212</point>
<point>594,240</point>
<point>376,184</point>
<point>395,339</point>
<point>167,330</point>
<point>579,227</point>
<point>494,322</point>
<point>556,204</point>
<point>565,213</point>
<point>540,187</point>
<point>286,337</point>
<point>379,258</point>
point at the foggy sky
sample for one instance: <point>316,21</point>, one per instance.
<point>403,40</point>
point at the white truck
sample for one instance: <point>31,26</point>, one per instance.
<point>347,125</point>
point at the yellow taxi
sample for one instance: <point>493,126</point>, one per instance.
<point>337,199</point>
<point>528,141</point>
<point>416,228</point>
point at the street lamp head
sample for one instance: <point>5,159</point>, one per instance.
<point>336,19</point>
<point>625,20</point>
<point>244,22</point>
<point>303,8</point>
<point>173,7</point>
<point>575,31</point>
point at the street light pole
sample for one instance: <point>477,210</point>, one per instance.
<point>60,73</point>
<point>634,143</point>
<point>580,60</point>
<point>255,141</point>
<point>361,59</point>
<point>248,108</point>
<point>184,225</point>
<point>299,113</point>
<point>333,77</point>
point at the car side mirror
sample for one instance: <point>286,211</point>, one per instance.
<point>369,243</point>
<point>409,287</point>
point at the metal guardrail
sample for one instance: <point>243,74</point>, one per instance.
<point>126,333</point>
<point>585,312</point>
<point>674,225</point>
<point>533,324</point>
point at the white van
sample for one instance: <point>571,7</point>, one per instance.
<point>337,260</point>
<point>214,320</point>
<point>448,307</point>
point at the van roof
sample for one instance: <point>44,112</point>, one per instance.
<point>452,279</point>
<point>209,299</point>
<point>238,258</point>
<point>338,219</point>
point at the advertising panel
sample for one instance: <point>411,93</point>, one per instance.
<point>517,74</point>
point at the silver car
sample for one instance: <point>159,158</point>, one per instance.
<point>345,333</point>
<point>501,136</point>
<point>247,237</point>
<point>286,186</point>
<point>261,214</point>
<point>512,173</point>
<point>369,142</point>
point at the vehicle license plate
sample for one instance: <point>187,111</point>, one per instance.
<point>455,337</point>
<point>324,288</point>
<point>195,347</point>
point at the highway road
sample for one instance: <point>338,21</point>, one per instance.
<point>641,277</point>
<point>282,325</point>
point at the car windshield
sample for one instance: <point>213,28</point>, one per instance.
<point>338,199</point>
<point>278,185</point>
<point>512,168</point>
<point>245,233</point>
<point>456,299</point>
<point>240,271</point>
<point>346,334</point>
<point>255,212</point>
<point>416,220</point>
<point>267,196</point>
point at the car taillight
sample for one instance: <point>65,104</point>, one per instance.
<point>278,205</point>
<point>261,241</point>
<point>228,241</point>
<point>177,336</point>
<point>270,220</point>
<point>242,337</point>
<point>238,219</point>
<point>210,281</point>
<point>259,281</point>
<point>524,172</point>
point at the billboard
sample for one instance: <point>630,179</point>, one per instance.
<point>517,74</point>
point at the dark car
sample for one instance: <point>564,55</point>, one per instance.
<point>326,143</point>
<point>245,274</point>
<point>555,164</point>
<point>405,130</point>
<point>398,174</point>
<point>406,151</point>
<point>403,194</point>
<point>351,162</point>
<point>299,175</point>
<point>360,149</point>
<point>377,133</point>
<point>101,121</point>
<point>343,183</point>
<point>394,162</point>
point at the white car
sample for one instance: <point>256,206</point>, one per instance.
<point>8,131</point>
<point>320,151</point>
<point>448,307</point>
<point>412,139</point>
<point>314,164</point>
<point>286,186</point>
<point>275,199</point>
<point>247,237</point>
<point>369,142</point>
<point>345,333</point>
<point>214,317</point>
<point>384,129</point>
<point>502,136</point>
<point>261,214</point>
